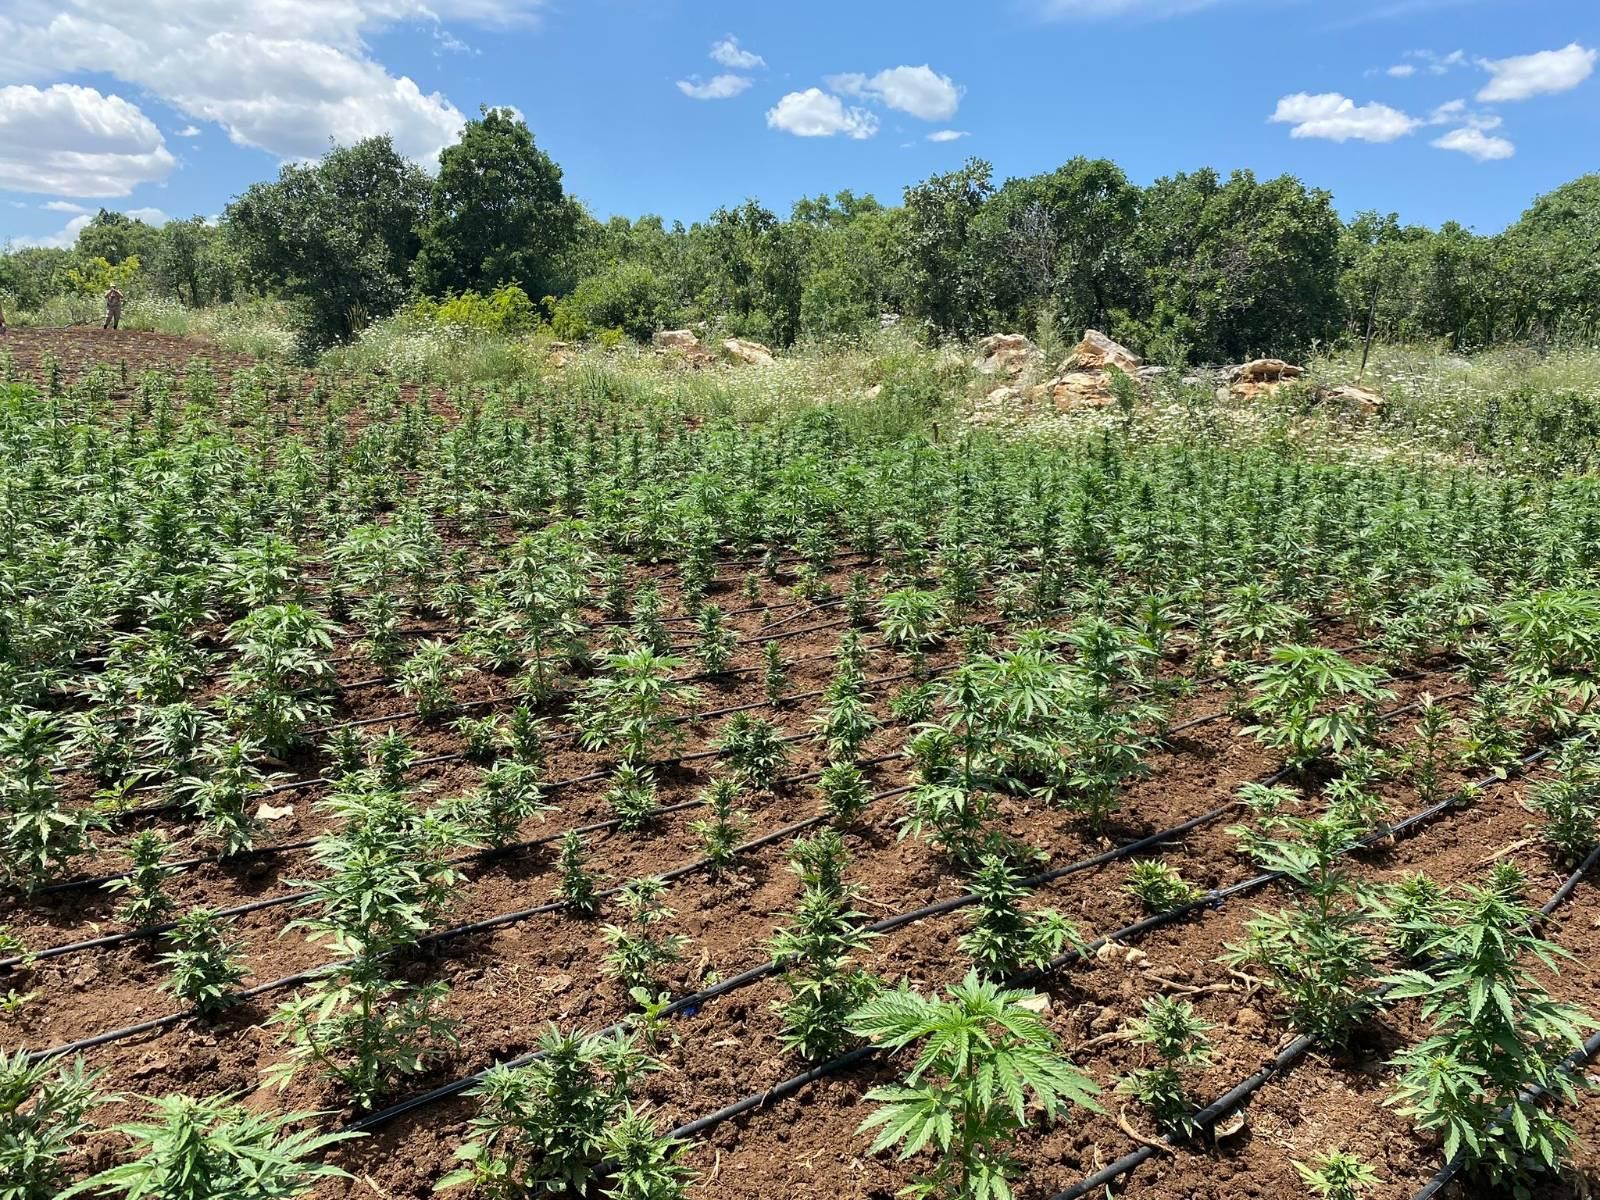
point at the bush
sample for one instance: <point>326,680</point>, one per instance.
<point>627,296</point>
<point>506,311</point>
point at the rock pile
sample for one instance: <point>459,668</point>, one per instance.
<point>686,345</point>
<point>1007,354</point>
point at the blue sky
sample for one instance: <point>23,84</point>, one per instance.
<point>1435,109</point>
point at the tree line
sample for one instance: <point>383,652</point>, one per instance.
<point>1195,266</point>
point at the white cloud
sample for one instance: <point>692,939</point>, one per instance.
<point>66,206</point>
<point>189,131</point>
<point>1528,75</point>
<point>1339,119</point>
<point>150,216</point>
<point>284,76</point>
<point>729,53</point>
<point>816,113</point>
<point>920,91</point>
<point>1402,70</point>
<point>948,135</point>
<point>1475,143</point>
<point>1438,64</point>
<point>64,240</point>
<point>718,87</point>
<point>67,140</point>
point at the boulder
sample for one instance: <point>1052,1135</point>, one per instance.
<point>751,354</point>
<point>1096,352</point>
<point>1008,354</point>
<point>1265,370</point>
<point>560,354</point>
<point>675,339</point>
<point>1080,389</point>
<point>1362,401</point>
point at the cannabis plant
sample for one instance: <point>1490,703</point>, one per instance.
<point>754,750</point>
<point>576,888</point>
<point>1176,1035</point>
<point>984,1060</point>
<point>203,964</point>
<point>1004,939</point>
<point>1158,886</point>
<point>42,1107</point>
<point>1496,1033</point>
<point>639,950</point>
<point>147,902</point>
<point>542,1128</point>
<point>1337,1175</point>
<point>719,832</point>
<point>1311,700</point>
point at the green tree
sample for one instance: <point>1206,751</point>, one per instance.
<point>338,235</point>
<point>498,213</point>
<point>939,252</point>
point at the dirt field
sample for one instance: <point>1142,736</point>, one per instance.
<point>535,963</point>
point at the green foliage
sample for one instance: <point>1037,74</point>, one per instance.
<point>147,902</point>
<point>1569,805</point>
<point>576,889</point>
<point>506,311</point>
<point>546,1127</point>
<point>1158,886</point>
<point>984,1061</point>
<point>1004,939</point>
<point>1176,1035</point>
<point>626,296</point>
<point>719,832</point>
<point>362,1029</point>
<point>203,1149</point>
<point>1496,1032</point>
<point>497,213</point>
<point>1337,1175</point>
<point>339,235</point>
<point>754,750</point>
<point>203,965</point>
<point>639,950</point>
<point>42,1107</point>
<point>1312,700</point>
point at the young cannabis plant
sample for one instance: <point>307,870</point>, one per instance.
<point>1569,805</point>
<point>1315,954</point>
<point>1004,939</point>
<point>1337,1175</point>
<point>715,641</point>
<point>147,902</point>
<point>1409,909</point>
<point>632,797</point>
<point>576,888</point>
<point>203,964</point>
<point>1177,1036</point>
<point>1496,1033</point>
<point>754,750</point>
<point>629,708</point>
<point>813,950</point>
<point>1311,700</point>
<point>362,1029</point>
<point>984,1060</point>
<point>644,1164</point>
<point>639,950</point>
<point>1158,886</point>
<point>719,832</point>
<point>844,793</point>
<point>42,1107</point>
<point>543,1128</point>
<point>494,812</point>
<point>201,1149</point>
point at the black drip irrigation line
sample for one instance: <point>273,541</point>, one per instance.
<point>487,854</point>
<point>440,936</point>
<point>457,756</point>
<point>1296,1049</point>
<point>790,1086</point>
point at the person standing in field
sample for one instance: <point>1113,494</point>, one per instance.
<point>113,308</point>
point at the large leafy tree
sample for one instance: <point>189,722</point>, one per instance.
<point>498,213</point>
<point>939,250</point>
<point>115,237</point>
<point>1059,247</point>
<point>338,235</point>
<point>1240,268</point>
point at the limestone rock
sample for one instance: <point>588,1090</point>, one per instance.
<point>750,354</point>
<point>1008,354</point>
<point>1080,389</point>
<point>1266,370</point>
<point>1359,400</point>
<point>1096,352</point>
<point>675,339</point>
